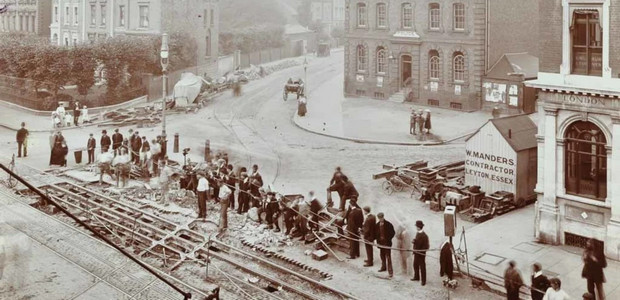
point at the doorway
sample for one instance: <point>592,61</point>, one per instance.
<point>405,70</point>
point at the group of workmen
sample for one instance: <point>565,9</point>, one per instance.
<point>420,120</point>
<point>118,153</point>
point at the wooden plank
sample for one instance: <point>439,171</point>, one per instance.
<point>417,165</point>
<point>385,174</point>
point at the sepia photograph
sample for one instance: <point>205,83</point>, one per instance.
<point>310,149</point>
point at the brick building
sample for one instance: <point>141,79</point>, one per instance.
<point>79,21</point>
<point>434,52</point>
<point>579,124</point>
<point>31,16</point>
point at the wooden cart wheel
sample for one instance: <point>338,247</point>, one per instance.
<point>387,187</point>
<point>398,186</point>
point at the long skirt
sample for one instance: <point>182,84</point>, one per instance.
<point>57,157</point>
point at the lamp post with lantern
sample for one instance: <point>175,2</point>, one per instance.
<point>305,75</point>
<point>164,66</point>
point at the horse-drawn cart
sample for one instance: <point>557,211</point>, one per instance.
<point>295,86</point>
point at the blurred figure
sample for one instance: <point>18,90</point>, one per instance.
<point>593,263</point>
<point>512,281</point>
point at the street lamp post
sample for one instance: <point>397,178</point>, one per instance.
<point>305,75</point>
<point>164,66</point>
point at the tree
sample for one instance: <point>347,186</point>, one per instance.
<point>304,12</point>
<point>58,71</point>
<point>83,68</point>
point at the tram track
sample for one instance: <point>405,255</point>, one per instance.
<point>172,247</point>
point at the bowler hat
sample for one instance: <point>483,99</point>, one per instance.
<point>419,224</point>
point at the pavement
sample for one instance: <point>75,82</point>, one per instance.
<point>492,244</point>
<point>379,121</point>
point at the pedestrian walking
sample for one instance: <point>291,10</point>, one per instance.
<point>427,121</point>
<point>224,197</point>
<point>22,140</point>
<point>57,156</point>
<point>105,141</point>
<point>402,243</point>
<point>540,283</point>
<point>368,231</point>
<point>145,150</point>
<point>202,189</point>
<point>420,246</point>
<point>301,106</point>
<point>384,231</point>
<point>412,122</point>
<point>117,141</point>
<point>555,292</point>
<point>91,144</point>
<point>164,179</point>
<point>594,262</point>
<point>512,281</point>
<point>76,113</point>
<point>355,220</point>
<point>446,266</point>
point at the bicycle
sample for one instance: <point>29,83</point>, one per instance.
<point>11,182</point>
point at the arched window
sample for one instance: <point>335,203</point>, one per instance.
<point>362,59</point>
<point>434,16</point>
<point>55,39</point>
<point>458,66</point>
<point>433,64</point>
<point>459,16</point>
<point>361,15</point>
<point>381,60</point>
<point>586,160</point>
<point>381,15</point>
<point>407,15</point>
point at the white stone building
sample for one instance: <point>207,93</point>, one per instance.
<point>578,182</point>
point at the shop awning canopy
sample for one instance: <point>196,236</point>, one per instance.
<point>511,64</point>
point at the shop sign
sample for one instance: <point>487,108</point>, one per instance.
<point>379,81</point>
<point>457,90</point>
<point>359,78</point>
<point>577,99</point>
<point>490,167</point>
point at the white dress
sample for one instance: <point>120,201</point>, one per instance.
<point>84,115</point>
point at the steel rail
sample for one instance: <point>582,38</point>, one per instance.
<point>285,270</point>
<point>186,295</point>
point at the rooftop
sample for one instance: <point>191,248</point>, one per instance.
<point>519,131</point>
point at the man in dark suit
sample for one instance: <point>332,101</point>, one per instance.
<point>355,220</point>
<point>136,145</point>
<point>368,231</point>
<point>349,191</point>
<point>384,232</point>
<point>90,148</point>
<point>336,184</point>
<point>540,283</point>
<point>22,140</point>
<point>117,141</point>
<point>420,245</point>
<point>105,142</point>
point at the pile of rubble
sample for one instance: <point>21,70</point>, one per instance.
<point>140,116</point>
<point>255,72</point>
<point>260,235</point>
